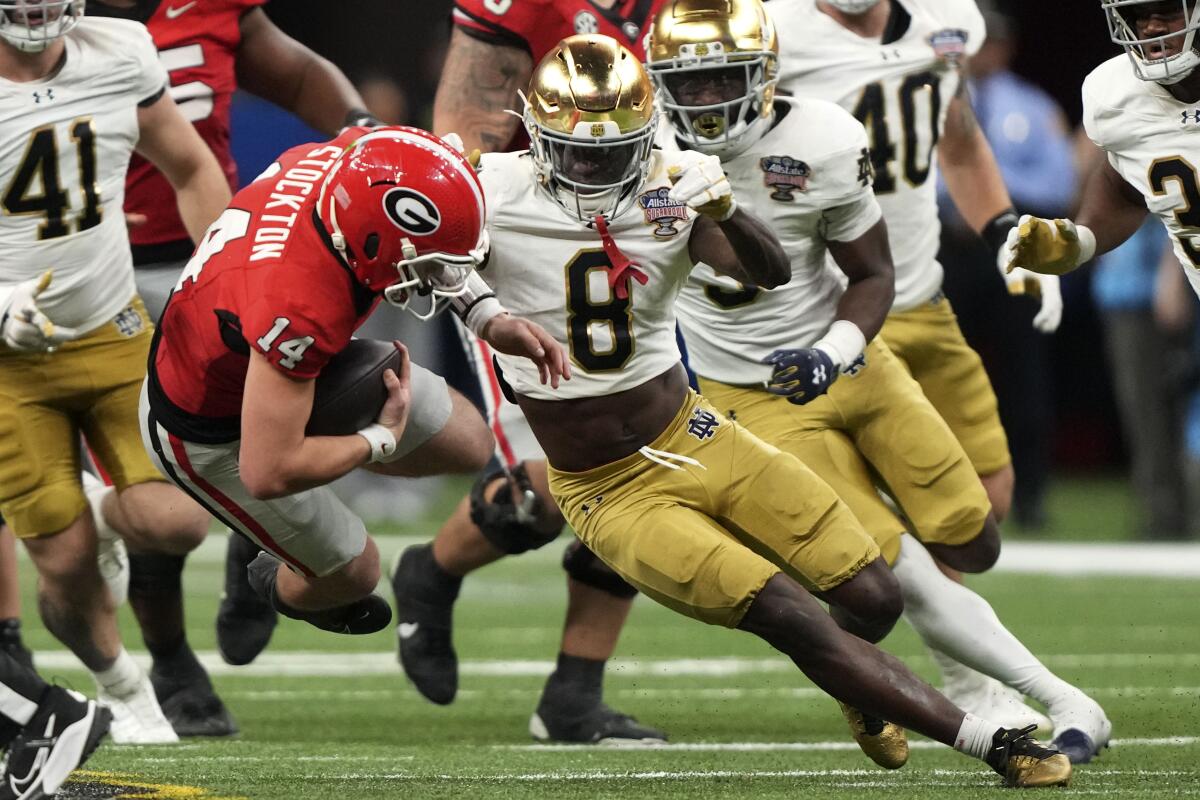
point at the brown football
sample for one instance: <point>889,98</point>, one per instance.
<point>350,391</point>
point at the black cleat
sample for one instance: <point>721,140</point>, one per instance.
<point>245,621</point>
<point>598,724</point>
<point>20,653</point>
<point>191,705</point>
<point>64,731</point>
<point>1025,762</point>
<point>425,598</point>
<point>367,615</point>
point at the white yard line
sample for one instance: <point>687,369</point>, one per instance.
<point>327,664</point>
<point>770,747</point>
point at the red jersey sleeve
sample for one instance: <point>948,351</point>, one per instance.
<point>516,23</point>
<point>300,330</point>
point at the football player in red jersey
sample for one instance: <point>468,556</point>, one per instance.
<point>209,48</point>
<point>278,285</point>
<point>493,48</point>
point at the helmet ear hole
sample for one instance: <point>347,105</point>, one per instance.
<point>371,246</point>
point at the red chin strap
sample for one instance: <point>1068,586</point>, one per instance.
<point>622,268</point>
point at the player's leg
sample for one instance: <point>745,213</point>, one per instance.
<point>43,502</point>
<point>48,731</point>
<point>10,599</point>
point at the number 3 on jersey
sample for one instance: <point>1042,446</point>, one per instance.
<point>599,333</point>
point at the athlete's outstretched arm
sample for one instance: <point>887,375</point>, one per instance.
<point>479,84</point>
<point>867,262</point>
<point>171,143</point>
<point>969,168</point>
<point>742,247</point>
<point>276,67</point>
<point>1109,206</point>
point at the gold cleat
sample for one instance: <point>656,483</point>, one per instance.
<point>1025,762</point>
<point>884,742</point>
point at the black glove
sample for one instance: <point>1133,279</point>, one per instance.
<point>801,375</point>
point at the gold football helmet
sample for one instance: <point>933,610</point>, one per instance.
<point>590,115</point>
<point>715,64</point>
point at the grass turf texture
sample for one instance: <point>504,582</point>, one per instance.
<point>1133,642</point>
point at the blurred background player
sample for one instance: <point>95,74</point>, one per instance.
<point>210,49</point>
<point>768,358</point>
<point>493,48</point>
<point>82,328</point>
<point>897,67</point>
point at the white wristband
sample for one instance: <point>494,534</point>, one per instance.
<point>482,313</point>
<point>844,342</point>
<point>383,443</point>
<point>1087,243</point>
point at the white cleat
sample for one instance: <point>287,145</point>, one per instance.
<point>989,699</point>
<point>137,717</point>
<point>1081,728</point>
<point>111,556</point>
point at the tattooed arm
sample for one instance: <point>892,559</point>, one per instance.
<point>479,82</point>
<point>968,166</point>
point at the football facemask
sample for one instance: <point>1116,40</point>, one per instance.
<point>32,25</point>
<point>1157,35</point>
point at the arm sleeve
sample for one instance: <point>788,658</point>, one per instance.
<point>150,76</point>
<point>843,184</point>
<point>292,338</point>
<point>512,23</point>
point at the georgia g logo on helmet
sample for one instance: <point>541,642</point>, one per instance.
<point>411,211</point>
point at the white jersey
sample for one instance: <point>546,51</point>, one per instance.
<point>65,143</point>
<point>551,269</point>
<point>900,91</point>
<point>1153,141</point>
<point>809,180</point>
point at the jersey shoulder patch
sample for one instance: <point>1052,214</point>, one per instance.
<point>831,145</point>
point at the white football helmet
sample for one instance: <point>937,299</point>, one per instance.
<point>1148,66</point>
<point>31,25</point>
<point>853,6</point>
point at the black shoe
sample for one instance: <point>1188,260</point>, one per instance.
<point>245,621</point>
<point>191,705</point>
<point>424,607</point>
<point>368,615</point>
<point>598,724</point>
<point>1025,762</point>
<point>64,731</point>
<point>19,652</point>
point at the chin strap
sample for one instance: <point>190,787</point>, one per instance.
<point>622,268</point>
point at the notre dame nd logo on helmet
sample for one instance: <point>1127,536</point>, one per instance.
<point>785,175</point>
<point>662,211</point>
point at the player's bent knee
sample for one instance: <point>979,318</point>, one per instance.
<point>782,614</point>
<point>586,567</point>
<point>978,555</point>
<point>162,518</point>
<point>869,604</point>
<point>511,524</point>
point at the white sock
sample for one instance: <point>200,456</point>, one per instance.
<point>17,707</point>
<point>951,618</point>
<point>975,736</point>
<point>122,677</point>
<point>96,490</point>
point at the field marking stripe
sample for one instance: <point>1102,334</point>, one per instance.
<point>750,747</point>
<point>327,664</point>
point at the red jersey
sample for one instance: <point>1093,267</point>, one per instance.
<point>197,43</point>
<point>537,25</point>
<point>265,277</point>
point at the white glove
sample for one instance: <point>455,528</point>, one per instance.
<point>22,324</point>
<point>699,181</point>
<point>1022,281</point>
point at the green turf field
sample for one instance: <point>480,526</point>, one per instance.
<point>332,717</point>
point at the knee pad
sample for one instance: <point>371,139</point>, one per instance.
<point>585,566</point>
<point>511,528</point>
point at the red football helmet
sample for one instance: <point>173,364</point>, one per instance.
<point>406,211</point>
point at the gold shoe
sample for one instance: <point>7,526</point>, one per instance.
<point>884,742</point>
<point>1025,762</point>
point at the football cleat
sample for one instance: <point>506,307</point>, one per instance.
<point>191,705</point>
<point>136,716</point>
<point>64,731</point>
<point>366,615</point>
<point>987,698</point>
<point>598,725</point>
<point>10,643</point>
<point>885,743</point>
<point>111,556</point>
<point>1026,763</point>
<point>1081,729</point>
<point>245,621</point>
<point>424,633</point>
